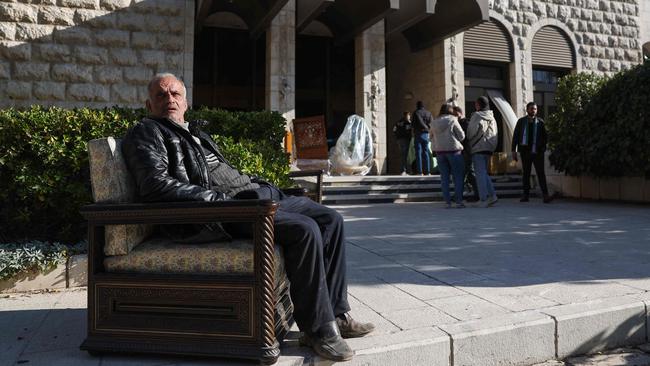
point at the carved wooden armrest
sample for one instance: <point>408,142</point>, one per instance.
<point>190,212</point>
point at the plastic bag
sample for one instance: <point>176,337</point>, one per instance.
<point>353,153</point>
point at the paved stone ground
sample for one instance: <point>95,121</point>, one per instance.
<point>516,284</point>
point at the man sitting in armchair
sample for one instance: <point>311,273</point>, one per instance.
<point>172,160</point>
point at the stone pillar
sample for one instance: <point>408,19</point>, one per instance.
<point>370,88</point>
<point>188,51</point>
<point>281,63</point>
<point>448,71</point>
<point>644,14</point>
<point>521,79</point>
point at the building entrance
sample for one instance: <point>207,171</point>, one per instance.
<point>325,81</point>
<point>229,69</point>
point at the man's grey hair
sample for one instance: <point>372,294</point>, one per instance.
<point>163,75</point>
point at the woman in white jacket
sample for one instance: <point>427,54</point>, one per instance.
<point>446,141</point>
<point>482,135</point>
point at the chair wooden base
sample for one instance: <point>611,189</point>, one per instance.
<point>221,315</point>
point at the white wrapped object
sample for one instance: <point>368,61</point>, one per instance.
<point>353,153</point>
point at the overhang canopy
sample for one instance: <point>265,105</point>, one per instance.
<point>345,18</point>
<point>450,17</point>
<point>410,13</point>
<point>257,14</point>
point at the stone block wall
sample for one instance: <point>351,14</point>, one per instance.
<point>91,53</point>
<point>607,32</point>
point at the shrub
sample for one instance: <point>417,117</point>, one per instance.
<point>20,257</point>
<point>602,126</point>
<point>44,174</point>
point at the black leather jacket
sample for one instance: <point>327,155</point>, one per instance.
<point>167,163</point>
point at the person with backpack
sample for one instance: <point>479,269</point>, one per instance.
<point>403,132</point>
<point>482,134</point>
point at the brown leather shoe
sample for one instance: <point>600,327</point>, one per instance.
<point>351,328</point>
<point>327,343</point>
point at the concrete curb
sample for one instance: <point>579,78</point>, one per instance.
<point>66,275</point>
<point>523,338</point>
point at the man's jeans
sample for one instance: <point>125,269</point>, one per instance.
<point>454,164</point>
<point>483,180</point>
<point>422,162</point>
<point>404,151</point>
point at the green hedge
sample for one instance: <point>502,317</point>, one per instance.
<point>602,124</point>
<point>44,175</point>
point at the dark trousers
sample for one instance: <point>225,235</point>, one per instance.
<point>311,236</point>
<point>527,161</point>
<point>404,152</point>
<point>470,177</point>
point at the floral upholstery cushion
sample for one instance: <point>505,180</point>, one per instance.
<point>161,255</point>
<point>112,183</point>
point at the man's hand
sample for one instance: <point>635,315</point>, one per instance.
<point>514,156</point>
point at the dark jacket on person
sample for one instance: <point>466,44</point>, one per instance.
<point>402,129</point>
<point>464,122</point>
<point>167,163</point>
<point>535,135</point>
<point>421,120</point>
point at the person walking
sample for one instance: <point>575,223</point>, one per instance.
<point>421,123</point>
<point>529,139</point>
<point>470,177</point>
<point>446,141</point>
<point>482,135</point>
<point>403,132</point>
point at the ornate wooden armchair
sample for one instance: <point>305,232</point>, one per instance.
<point>149,294</point>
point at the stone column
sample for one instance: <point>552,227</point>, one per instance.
<point>281,63</point>
<point>448,70</point>
<point>370,88</point>
<point>188,51</point>
<point>644,14</point>
<point>521,79</point>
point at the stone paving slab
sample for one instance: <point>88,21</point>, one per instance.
<point>516,284</point>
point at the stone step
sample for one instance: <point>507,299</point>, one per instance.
<point>395,188</point>
<point>400,197</point>
<point>386,189</point>
<point>334,181</point>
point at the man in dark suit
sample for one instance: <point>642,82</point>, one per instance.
<point>529,139</point>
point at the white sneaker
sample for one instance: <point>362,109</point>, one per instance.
<point>404,173</point>
<point>492,200</point>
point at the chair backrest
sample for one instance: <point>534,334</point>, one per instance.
<point>111,182</point>
<point>109,176</point>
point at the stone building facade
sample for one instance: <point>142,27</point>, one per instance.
<point>99,53</point>
<point>606,36</point>
<point>92,53</point>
